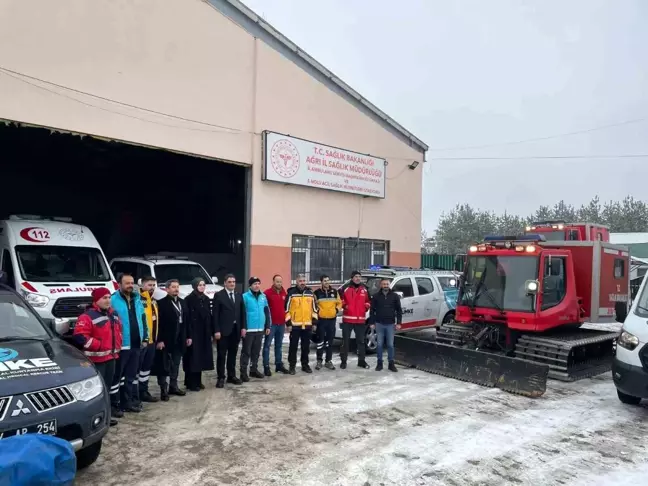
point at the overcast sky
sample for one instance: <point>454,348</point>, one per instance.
<point>460,73</point>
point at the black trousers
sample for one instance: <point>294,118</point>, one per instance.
<point>360,331</point>
<point>193,379</point>
<point>123,392</point>
<point>251,350</point>
<point>107,371</point>
<point>297,336</point>
<point>174,369</point>
<point>326,334</point>
<point>227,348</point>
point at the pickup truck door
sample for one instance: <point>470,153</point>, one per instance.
<point>405,285</point>
<point>430,300</point>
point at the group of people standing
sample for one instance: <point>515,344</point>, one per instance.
<point>131,335</point>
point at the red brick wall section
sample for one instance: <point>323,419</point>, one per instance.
<point>266,261</point>
<point>404,259</point>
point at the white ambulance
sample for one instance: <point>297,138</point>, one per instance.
<point>54,264</point>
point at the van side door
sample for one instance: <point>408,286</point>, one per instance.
<point>429,301</point>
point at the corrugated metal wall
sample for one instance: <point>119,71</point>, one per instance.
<point>443,262</point>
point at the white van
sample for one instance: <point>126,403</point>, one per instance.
<point>630,365</point>
<point>54,264</point>
<point>164,268</point>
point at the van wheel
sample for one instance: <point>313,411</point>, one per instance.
<point>87,456</point>
<point>628,399</point>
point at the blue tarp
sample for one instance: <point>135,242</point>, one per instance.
<point>36,460</point>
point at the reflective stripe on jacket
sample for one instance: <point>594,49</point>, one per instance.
<point>301,308</point>
<point>99,334</point>
<point>356,302</point>
<point>328,303</point>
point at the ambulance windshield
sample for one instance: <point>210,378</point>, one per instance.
<point>498,282</point>
<point>185,273</point>
<point>61,264</point>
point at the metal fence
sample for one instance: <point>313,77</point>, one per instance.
<point>315,256</point>
<point>443,262</point>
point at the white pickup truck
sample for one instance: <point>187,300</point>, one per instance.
<point>428,297</point>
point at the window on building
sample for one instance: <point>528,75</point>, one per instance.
<point>315,256</point>
<point>404,285</point>
<point>619,268</point>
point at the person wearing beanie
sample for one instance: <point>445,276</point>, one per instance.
<point>355,304</point>
<point>98,333</point>
<point>257,318</point>
<point>199,356</point>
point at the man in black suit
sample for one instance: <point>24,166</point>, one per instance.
<point>174,335</point>
<point>229,327</point>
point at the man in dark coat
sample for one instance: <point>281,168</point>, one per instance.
<point>199,356</point>
<point>174,335</point>
<point>229,326</point>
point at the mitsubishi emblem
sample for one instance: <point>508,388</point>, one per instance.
<point>20,408</point>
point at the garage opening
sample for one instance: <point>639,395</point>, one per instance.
<point>136,200</point>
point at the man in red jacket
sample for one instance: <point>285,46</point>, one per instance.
<point>355,302</point>
<point>276,296</point>
<point>99,333</point>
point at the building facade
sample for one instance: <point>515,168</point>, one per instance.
<point>211,79</point>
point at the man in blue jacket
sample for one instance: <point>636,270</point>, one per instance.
<point>257,313</point>
<point>128,306</point>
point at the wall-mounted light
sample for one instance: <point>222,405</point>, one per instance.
<point>413,165</point>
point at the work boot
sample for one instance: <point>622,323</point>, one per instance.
<point>379,366</point>
<point>306,368</point>
<point>266,371</point>
<point>244,377</point>
<point>256,374</point>
<point>318,366</point>
<point>282,369</point>
<point>234,380</point>
<point>292,370</point>
<point>148,398</point>
<point>174,390</point>
<point>113,422</point>
<point>220,383</point>
<point>343,365</point>
<point>131,408</point>
<point>164,393</point>
<point>115,412</point>
<point>392,367</point>
<point>363,364</point>
<point>329,365</point>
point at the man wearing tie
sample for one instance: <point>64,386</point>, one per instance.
<point>229,327</point>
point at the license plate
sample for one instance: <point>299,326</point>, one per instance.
<point>47,428</point>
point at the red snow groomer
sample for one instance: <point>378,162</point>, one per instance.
<point>529,309</point>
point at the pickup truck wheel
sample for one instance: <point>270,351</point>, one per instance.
<point>371,341</point>
<point>447,319</point>
<point>628,399</point>
<point>87,456</point>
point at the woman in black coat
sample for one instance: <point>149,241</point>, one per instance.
<point>199,356</point>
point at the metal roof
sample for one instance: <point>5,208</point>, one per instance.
<point>628,238</point>
<point>236,11</point>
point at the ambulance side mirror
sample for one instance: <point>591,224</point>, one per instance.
<point>214,280</point>
<point>400,294</point>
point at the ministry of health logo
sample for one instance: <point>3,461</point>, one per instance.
<point>284,157</point>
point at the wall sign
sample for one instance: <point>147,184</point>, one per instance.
<point>301,162</point>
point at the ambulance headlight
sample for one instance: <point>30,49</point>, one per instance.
<point>86,390</point>
<point>35,300</point>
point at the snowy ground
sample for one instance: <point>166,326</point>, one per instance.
<point>358,427</point>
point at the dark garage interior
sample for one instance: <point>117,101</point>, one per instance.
<point>136,200</point>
